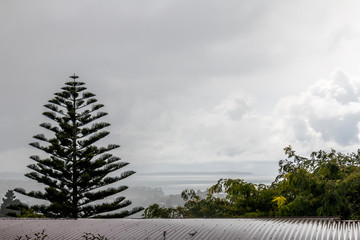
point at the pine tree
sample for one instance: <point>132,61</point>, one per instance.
<point>76,173</point>
<point>8,201</point>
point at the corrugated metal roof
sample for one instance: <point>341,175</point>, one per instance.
<point>209,229</point>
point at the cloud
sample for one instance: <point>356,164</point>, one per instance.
<point>236,106</point>
<point>328,111</point>
<point>187,81</point>
<point>325,115</point>
<point>229,131</point>
<point>16,159</point>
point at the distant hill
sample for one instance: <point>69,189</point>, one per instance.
<point>225,173</point>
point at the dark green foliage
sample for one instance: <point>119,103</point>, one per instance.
<point>326,184</point>
<point>8,201</point>
<point>76,172</point>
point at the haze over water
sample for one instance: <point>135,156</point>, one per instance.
<point>176,182</point>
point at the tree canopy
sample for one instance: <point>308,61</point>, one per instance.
<point>9,201</point>
<point>77,173</point>
<point>324,184</point>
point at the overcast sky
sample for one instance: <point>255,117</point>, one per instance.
<point>196,85</point>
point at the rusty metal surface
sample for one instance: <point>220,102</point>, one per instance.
<point>209,229</point>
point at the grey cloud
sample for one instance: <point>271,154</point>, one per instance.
<point>137,41</point>
<point>231,152</point>
<point>344,131</point>
<point>238,112</point>
<point>236,106</point>
<point>300,129</point>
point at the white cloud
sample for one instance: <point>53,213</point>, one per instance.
<point>327,113</point>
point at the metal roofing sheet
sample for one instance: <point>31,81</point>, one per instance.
<point>160,229</point>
